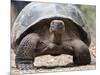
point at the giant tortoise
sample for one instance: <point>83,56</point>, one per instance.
<point>50,28</point>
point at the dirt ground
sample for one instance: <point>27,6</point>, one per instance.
<point>61,62</point>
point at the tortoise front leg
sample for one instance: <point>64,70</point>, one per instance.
<point>81,53</point>
<point>26,52</point>
<point>79,50</point>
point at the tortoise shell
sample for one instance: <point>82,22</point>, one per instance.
<point>36,17</point>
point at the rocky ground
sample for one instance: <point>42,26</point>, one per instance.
<point>62,63</point>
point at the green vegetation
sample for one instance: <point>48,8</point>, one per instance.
<point>89,12</point>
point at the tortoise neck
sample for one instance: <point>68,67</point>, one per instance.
<point>56,38</point>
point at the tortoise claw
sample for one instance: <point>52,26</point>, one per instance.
<point>25,66</point>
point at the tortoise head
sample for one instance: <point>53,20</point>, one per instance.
<point>57,26</point>
<point>56,29</point>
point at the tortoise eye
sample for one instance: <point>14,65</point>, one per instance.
<point>60,26</point>
<point>52,26</point>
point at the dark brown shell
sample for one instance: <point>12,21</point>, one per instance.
<point>36,17</point>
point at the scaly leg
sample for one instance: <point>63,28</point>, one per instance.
<point>26,52</point>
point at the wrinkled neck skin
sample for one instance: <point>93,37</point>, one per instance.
<point>56,38</point>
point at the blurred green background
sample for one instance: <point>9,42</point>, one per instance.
<point>89,11</point>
